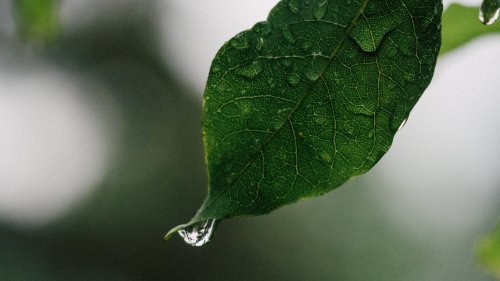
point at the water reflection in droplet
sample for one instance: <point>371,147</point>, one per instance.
<point>489,12</point>
<point>200,233</point>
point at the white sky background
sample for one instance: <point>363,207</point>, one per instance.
<point>443,165</point>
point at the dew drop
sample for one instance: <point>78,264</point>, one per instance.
<point>293,6</point>
<point>369,33</point>
<point>488,19</point>
<point>490,9</point>
<point>250,71</point>
<point>320,11</point>
<point>327,157</point>
<point>240,41</point>
<point>293,79</point>
<point>314,72</point>
<point>199,233</point>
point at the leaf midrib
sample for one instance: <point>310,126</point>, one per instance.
<point>298,104</point>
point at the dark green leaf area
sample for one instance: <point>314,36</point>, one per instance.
<point>298,104</point>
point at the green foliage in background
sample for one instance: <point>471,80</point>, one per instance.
<point>301,103</point>
<point>489,252</point>
<point>37,20</point>
<point>461,25</point>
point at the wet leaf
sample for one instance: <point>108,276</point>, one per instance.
<point>299,104</point>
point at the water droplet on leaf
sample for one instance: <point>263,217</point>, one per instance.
<point>314,71</point>
<point>199,233</point>
<point>259,44</point>
<point>251,70</point>
<point>490,9</point>
<point>320,12</point>
<point>369,33</point>
<point>327,157</point>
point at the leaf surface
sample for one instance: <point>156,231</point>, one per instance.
<point>302,102</point>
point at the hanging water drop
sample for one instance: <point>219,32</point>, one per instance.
<point>199,233</point>
<point>489,12</point>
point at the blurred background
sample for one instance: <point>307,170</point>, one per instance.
<point>101,154</point>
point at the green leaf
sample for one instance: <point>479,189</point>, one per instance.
<point>461,25</point>
<point>38,20</point>
<point>299,104</point>
<point>489,252</point>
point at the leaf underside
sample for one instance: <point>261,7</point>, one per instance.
<point>313,96</point>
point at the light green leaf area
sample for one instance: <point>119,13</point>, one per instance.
<point>461,25</point>
<point>489,252</point>
<point>37,20</point>
<point>300,103</point>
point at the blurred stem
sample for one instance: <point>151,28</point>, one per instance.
<point>37,21</point>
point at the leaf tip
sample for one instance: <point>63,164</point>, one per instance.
<point>172,231</point>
